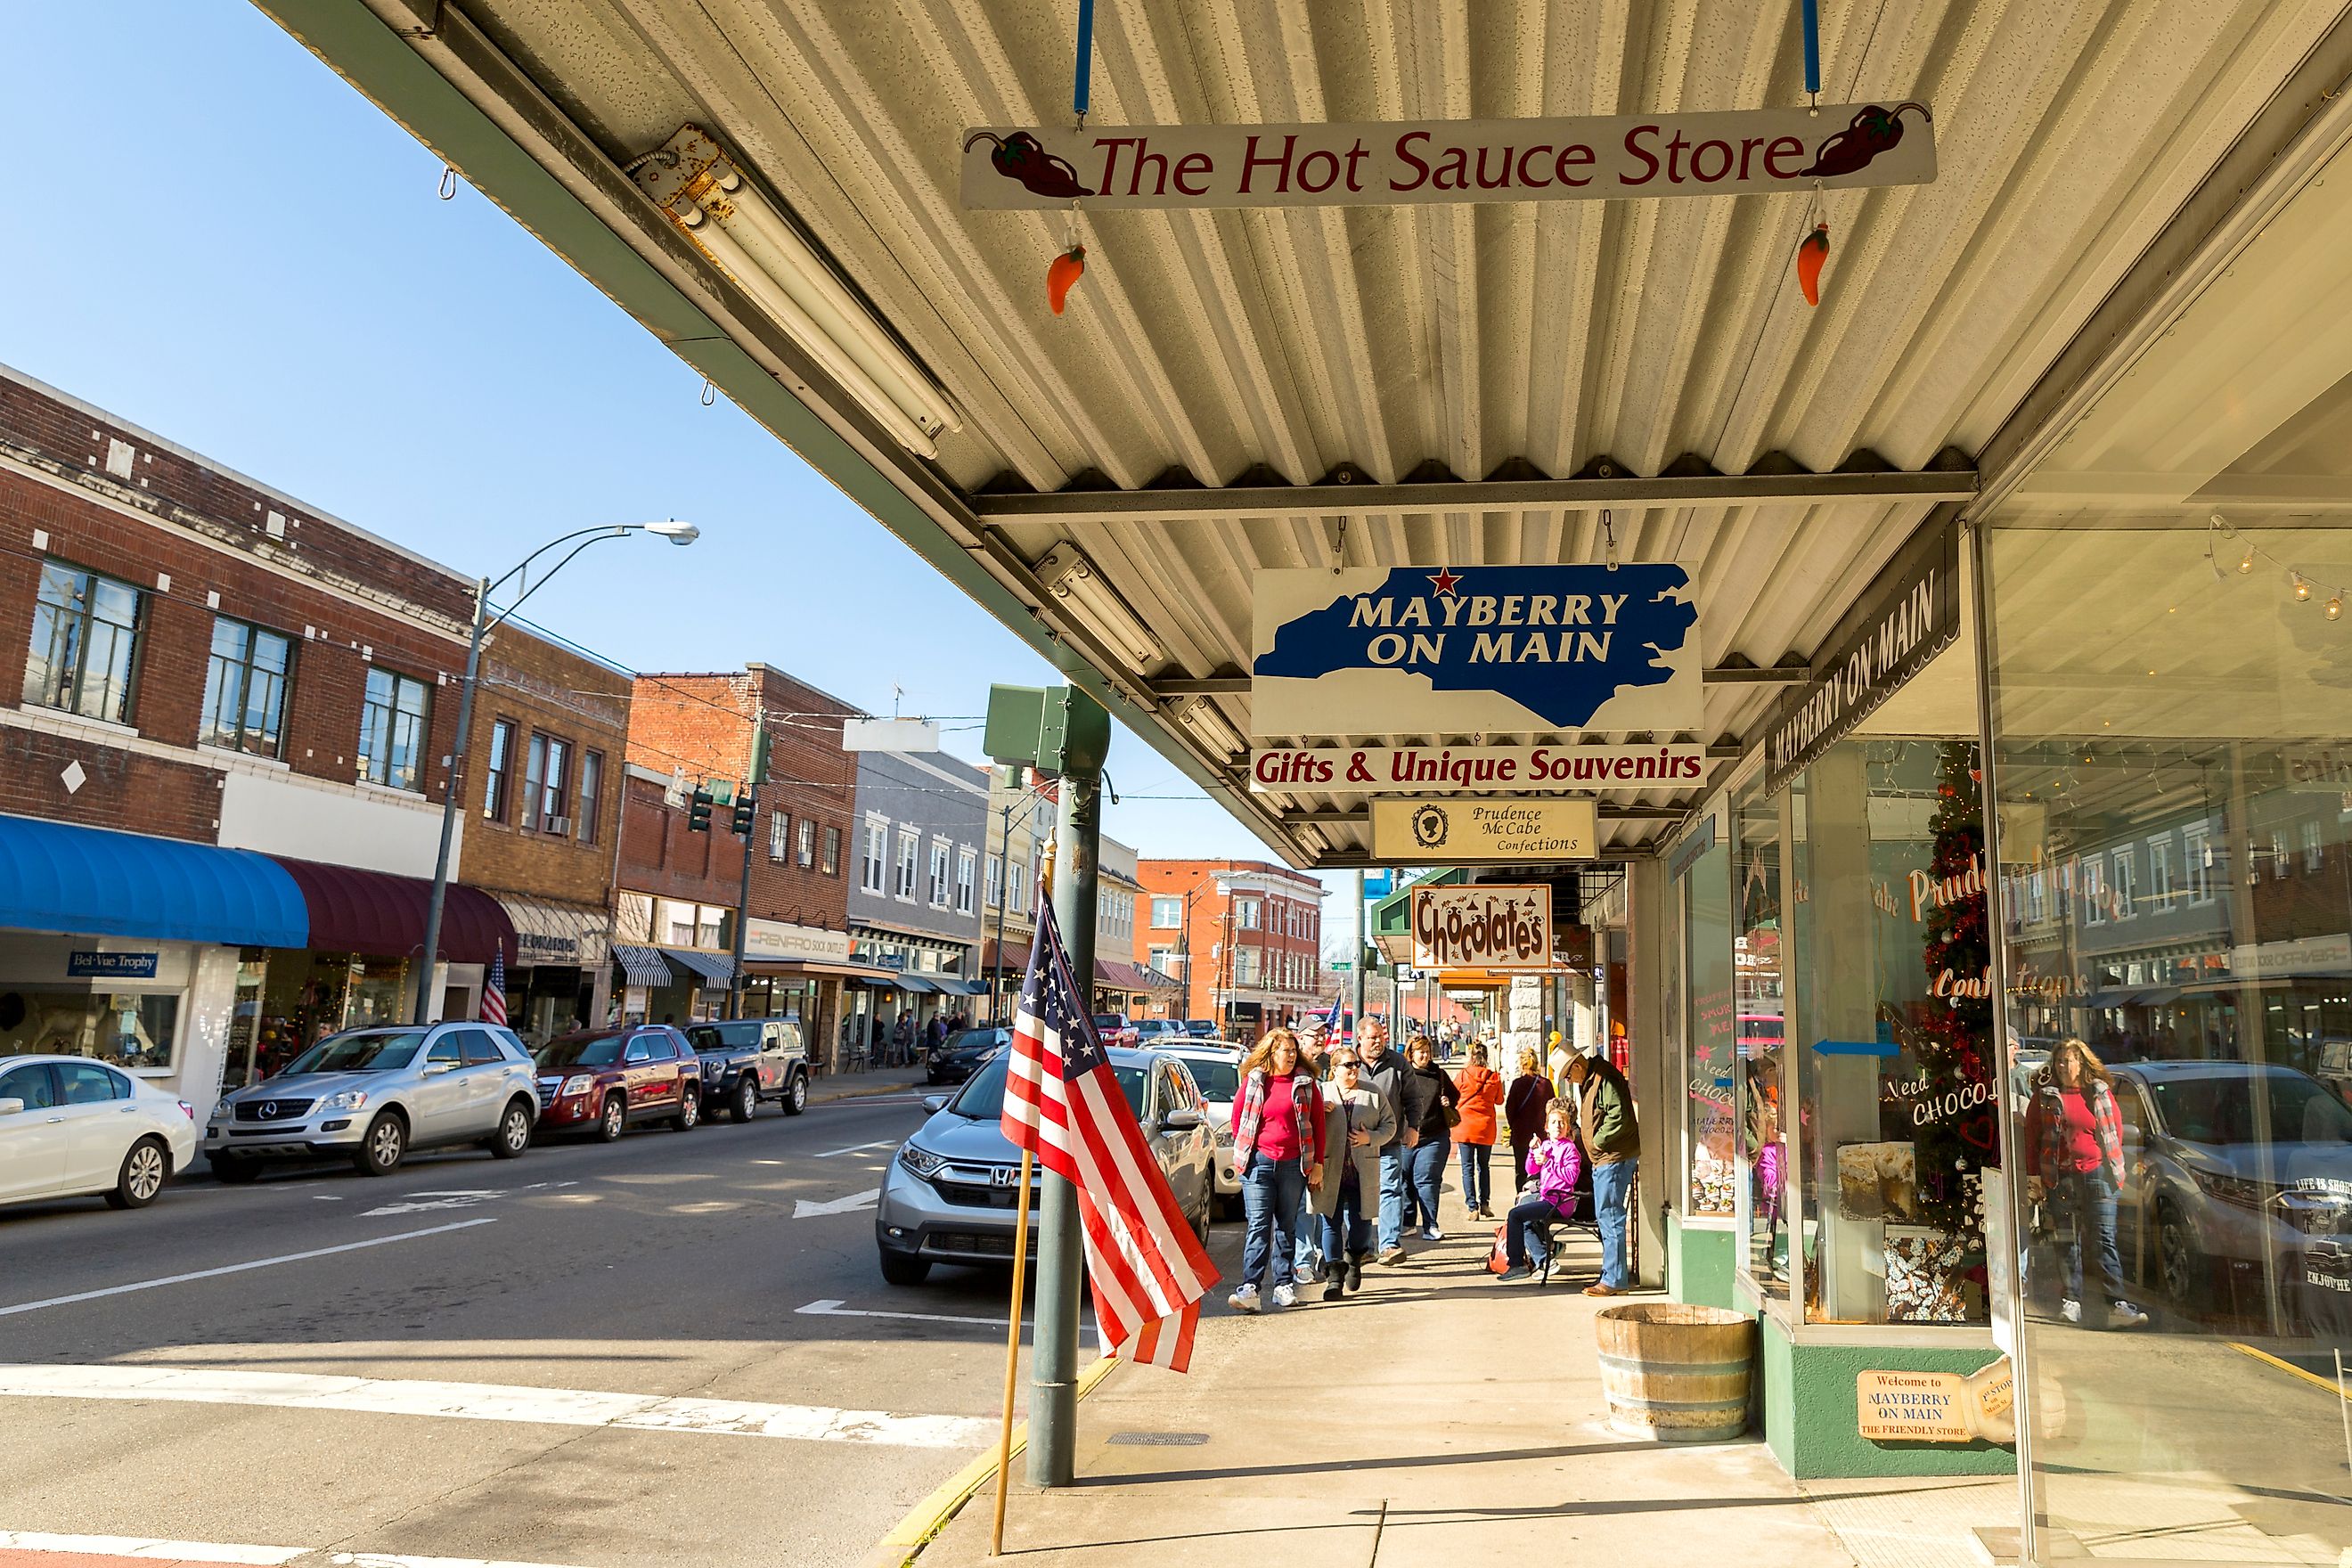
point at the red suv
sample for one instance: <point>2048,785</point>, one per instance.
<point>608,1079</point>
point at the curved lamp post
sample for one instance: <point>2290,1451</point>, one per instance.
<point>677,532</point>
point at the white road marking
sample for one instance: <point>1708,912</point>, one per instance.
<point>843,1310</point>
<point>142,1546</point>
<point>859,1148</point>
<point>804,1208</point>
<point>327,1197</point>
<point>459,1198</point>
<point>239,1268</point>
<point>492,1402</point>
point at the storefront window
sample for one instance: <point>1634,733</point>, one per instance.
<point>1760,1043</point>
<point>1712,1060</point>
<point>129,1029</point>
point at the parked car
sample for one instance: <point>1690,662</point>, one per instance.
<point>747,1060</point>
<point>951,1188</point>
<point>371,1096</point>
<point>1113,1029</point>
<point>1216,1069</point>
<point>1159,1031</point>
<point>71,1128</point>
<point>1201,1028</point>
<point>612,1079</point>
<point>959,1055</point>
<point>2203,1193</point>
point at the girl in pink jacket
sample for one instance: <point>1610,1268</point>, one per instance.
<point>1555,1164</point>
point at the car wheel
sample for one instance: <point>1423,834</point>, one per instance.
<point>385,1146</point>
<point>234,1170</point>
<point>1200,1218</point>
<point>612,1117</point>
<point>796,1097</point>
<point>144,1171</point>
<point>747,1099</point>
<point>689,1109</point>
<point>898,1269</point>
<point>2175,1255</point>
<point>513,1135</point>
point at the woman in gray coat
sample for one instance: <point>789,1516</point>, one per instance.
<point>1357,1120</point>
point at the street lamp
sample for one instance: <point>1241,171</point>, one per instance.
<point>671,529</point>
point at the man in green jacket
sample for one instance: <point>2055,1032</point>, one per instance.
<point>1612,1143</point>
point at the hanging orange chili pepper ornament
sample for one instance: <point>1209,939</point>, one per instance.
<point>1811,251</point>
<point>1065,271</point>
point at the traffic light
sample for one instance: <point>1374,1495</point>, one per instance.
<point>742,823</point>
<point>698,810</point>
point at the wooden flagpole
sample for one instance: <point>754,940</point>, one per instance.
<point>1020,1287</point>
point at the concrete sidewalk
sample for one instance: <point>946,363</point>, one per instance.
<point>835,1086</point>
<point>1439,1417</point>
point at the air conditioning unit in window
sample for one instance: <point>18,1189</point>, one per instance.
<point>560,826</point>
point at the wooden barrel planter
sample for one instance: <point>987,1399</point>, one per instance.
<point>1676,1373</point>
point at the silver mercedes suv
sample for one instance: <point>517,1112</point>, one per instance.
<point>372,1095</point>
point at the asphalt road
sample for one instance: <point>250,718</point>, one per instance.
<point>669,1263</point>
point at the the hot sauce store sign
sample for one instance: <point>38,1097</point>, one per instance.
<point>1594,159</point>
<point>1482,925</point>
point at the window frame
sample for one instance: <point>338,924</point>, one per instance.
<point>873,875</point>
<point>967,875</point>
<point>779,837</point>
<point>215,662</point>
<point>589,796</point>
<point>903,864</point>
<point>497,772</point>
<point>71,693</point>
<point>832,862</point>
<point>369,765</point>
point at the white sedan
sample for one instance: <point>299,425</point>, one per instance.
<point>70,1128</point>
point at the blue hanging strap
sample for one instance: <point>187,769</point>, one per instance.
<point>1813,47</point>
<point>1087,54</point>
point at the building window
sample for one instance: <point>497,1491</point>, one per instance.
<point>2159,872</point>
<point>832,848</point>
<point>908,849</point>
<point>2311,851</point>
<point>966,864</point>
<point>393,731</point>
<point>245,688</point>
<point>501,769</point>
<point>2094,889</point>
<point>869,869</point>
<point>2278,856</point>
<point>546,779</point>
<point>995,881</point>
<point>2123,904</point>
<point>1246,966</point>
<point>591,792</point>
<point>1019,892</point>
<point>807,848</point>
<point>1166,913</point>
<point>939,873</point>
<point>779,837</point>
<point>1245,910</point>
<point>1163,959</point>
<point>85,641</point>
<point>2197,863</point>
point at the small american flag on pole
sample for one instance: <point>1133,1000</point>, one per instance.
<point>1062,1101</point>
<point>494,989</point>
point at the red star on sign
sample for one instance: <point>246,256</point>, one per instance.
<point>1443,580</point>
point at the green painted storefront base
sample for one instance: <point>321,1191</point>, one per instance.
<point>1806,1390</point>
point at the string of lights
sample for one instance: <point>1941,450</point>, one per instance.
<point>2300,583</point>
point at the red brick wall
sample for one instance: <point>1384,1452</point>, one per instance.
<point>659,856</point>
<point>542,687</point>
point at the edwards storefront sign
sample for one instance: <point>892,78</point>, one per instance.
<point>1412,649</point>
<point>1593,159</point>
<point>1482,925</point>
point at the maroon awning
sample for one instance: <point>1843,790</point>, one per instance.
<point>383,915</point>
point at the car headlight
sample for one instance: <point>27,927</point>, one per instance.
<point>2237,1190</point>
<point>223,1111</point>
<point>920,1160</point>
<point>350,1100</point>
<point>1224,1136</point>
<point>578,1083</point>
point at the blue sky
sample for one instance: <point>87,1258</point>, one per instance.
<point>233,249</point>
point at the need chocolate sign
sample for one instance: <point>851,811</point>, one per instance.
<point>1744,151</point>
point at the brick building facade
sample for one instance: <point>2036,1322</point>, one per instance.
<point>1244,937</point>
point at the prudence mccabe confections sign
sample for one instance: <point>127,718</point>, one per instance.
<point>1734,152</point>
<point>1415,651</point>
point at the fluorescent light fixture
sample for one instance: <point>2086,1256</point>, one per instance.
<point>1078,587</point>
<point>698,184</point>
<point>1201,716</point>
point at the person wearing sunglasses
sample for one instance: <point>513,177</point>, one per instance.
<point>1358,1120</point>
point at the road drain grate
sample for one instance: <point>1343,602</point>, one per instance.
<point>1160,1440</point>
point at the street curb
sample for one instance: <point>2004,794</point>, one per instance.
<point>862,1091</point>
<point>906,1539</point>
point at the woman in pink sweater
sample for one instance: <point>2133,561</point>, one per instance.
<point>1555,1163</point>
<point>1278,1153</point>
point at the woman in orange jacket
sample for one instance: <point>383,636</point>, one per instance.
<point>1482,1095</point>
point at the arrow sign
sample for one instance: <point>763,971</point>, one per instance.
<point>804,1209</point>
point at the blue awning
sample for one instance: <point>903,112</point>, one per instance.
<point>93,881</point>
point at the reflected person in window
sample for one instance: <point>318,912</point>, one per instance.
<point>2073,1136</point>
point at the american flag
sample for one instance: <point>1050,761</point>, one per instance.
<point>1335,1022</point>
<point>1062,1101</point>
<point>494,989</point>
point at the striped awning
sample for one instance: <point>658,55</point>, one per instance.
<point>708,968</point>
<point>641,965</point>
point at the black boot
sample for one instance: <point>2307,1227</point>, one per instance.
<point>1356,1272</point>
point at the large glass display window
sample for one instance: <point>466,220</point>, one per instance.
<point>1760,1043</point>
<point>1710,1057</point>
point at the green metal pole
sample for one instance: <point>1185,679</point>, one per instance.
<point>1054,1361</point>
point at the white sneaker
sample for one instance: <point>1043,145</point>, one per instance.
<point>2124,1315</point>
<point>1311,1275</point>
<point>1244,1300</point>
<point>2071,1310</point>
<point>1431,1233</point>
<point>1284,1296</point>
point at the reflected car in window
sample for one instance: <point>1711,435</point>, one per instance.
<point>959,1055</point>
<point>1216,1069</point>
<point>71,1127</point>
<point>609,1081</point>
<point>2229,1168</point>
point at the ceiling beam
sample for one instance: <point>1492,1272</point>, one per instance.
<point>1487,495</point>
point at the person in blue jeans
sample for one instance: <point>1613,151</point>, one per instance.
<point>1384,1071</point>
<point>1356,1121</point>
<point>1278,1151</point>
<point>1429,1096</point>
<point>1604,1102</point>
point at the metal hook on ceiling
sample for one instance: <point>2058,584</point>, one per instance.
<point>448,182</point>
<point>1608,537</point>
<point>710,392</point>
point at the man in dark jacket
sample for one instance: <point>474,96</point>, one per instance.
<point>1613,1144</point>
<point>1385,1072</point>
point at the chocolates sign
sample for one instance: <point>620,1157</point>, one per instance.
<point>1740,152</point>
<point>1482,925</point>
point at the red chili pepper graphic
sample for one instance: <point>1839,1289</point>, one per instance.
<point>1066,270</point>
<point>1022,157</point>
<point>1811,251</point>
<point>1874,130</point>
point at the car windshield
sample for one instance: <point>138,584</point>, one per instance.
<point>2220,1110</point>
<point>381,1051</point>
<point>982,1098</point>
<point>974,1040</point>
<point>1105,1022</point>
<point>581,1051</point>
<point>1218,1080</point>
<point>709,1038</point>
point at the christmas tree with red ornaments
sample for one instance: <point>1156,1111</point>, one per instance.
<point>1954,1034</point>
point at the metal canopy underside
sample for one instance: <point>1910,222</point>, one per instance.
<point>1463,385</point>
